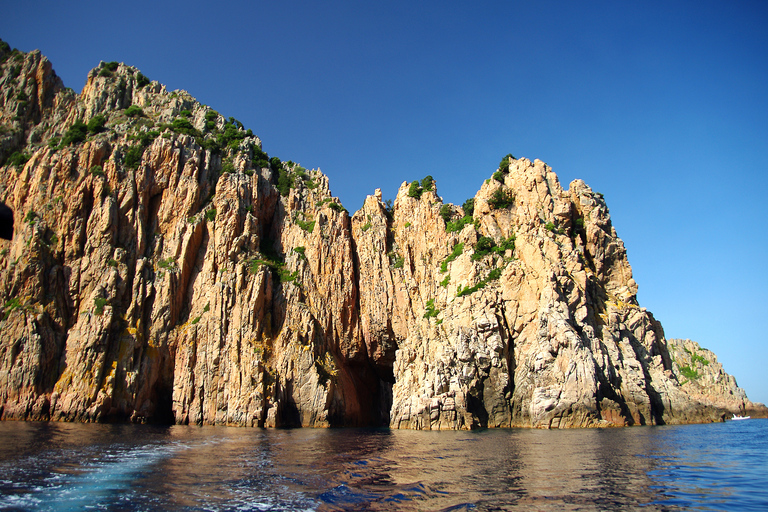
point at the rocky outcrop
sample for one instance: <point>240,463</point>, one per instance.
<point>704,380</point>
<point>164,268</point>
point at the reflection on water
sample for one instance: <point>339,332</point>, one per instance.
<point>56,466</point>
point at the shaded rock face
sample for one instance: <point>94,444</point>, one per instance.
<point>163,268</point>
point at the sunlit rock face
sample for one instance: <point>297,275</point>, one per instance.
<point>164,268</point>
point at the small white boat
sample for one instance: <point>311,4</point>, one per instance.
<point>737,417</point>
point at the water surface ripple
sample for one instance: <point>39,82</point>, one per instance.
<point>60,467</point>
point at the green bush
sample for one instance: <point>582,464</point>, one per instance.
<point>333,205</point>
<point>185,113</point>
<point>99,303</point>
<point>455,253</point>
<point>18,159</point>
<point>458,225</point>
<point>230,136</point>
<point>105,73</point>
<point>301,252</point>
<point>11,305</point>
<point>284,181</point>
<point>182,125</point>
<point>414,190</point>
<point>134,111</point>
<point>306,225</point>
<point>428,183</point>
<point>493,275</point>
<point>469,207</point>
<point>505,162</point>
<point>210,214</point>
<point>483,248</point>
<point>506,245</point>
<point>97,170</point>
<point>282,274</point>
<point>141,80</point>
<point>75,134</point>
<point>111,66</point>
<point>133,157</point>
<point>168,264</point>
<point>96,124</point>
<point>501,198</point>
<point>689,373</point>
<point>549,226</point>
<point>227,166</point>
<point>696,358</point>
<point>146,138</point>
<point>112,263</point>
<point>211,145</point>
<point>445,281</point>
<point>460,292</point>
<point>431,312</point>
<point>498,176</point>
<point>446,212</point>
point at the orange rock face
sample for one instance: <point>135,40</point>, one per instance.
<point>163,268</point>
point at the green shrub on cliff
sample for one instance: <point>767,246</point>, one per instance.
<point>99,303</point>
<point>689,373</point>
<point>284,182</point>
<point>75,134</point>
<point>446,212</point>
<point>458,224</point>
<point>431,311</point>
<point>483,247</point>
<point>414,190</point>
<point>134,111</point>
<point>133,156</point>
<point>504,164</point>
<point>141,80</point>
<point>182,125</point>
<point>455,253</point>
<point>501,198</point>
<point>469,207</point>
<point>18,160</point>
<point>96,124</point>
<point>306,225</point>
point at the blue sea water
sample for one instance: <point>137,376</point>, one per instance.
<point>61,467</point>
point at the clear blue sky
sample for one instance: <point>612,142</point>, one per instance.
<point>661,105</point>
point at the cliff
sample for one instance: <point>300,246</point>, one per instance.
<point>165,268</point>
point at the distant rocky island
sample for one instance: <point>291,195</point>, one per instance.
<point>164,268</point>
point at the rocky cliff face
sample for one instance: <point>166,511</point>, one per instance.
<point>164,268</point>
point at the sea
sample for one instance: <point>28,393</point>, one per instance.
<point>66,466</point>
